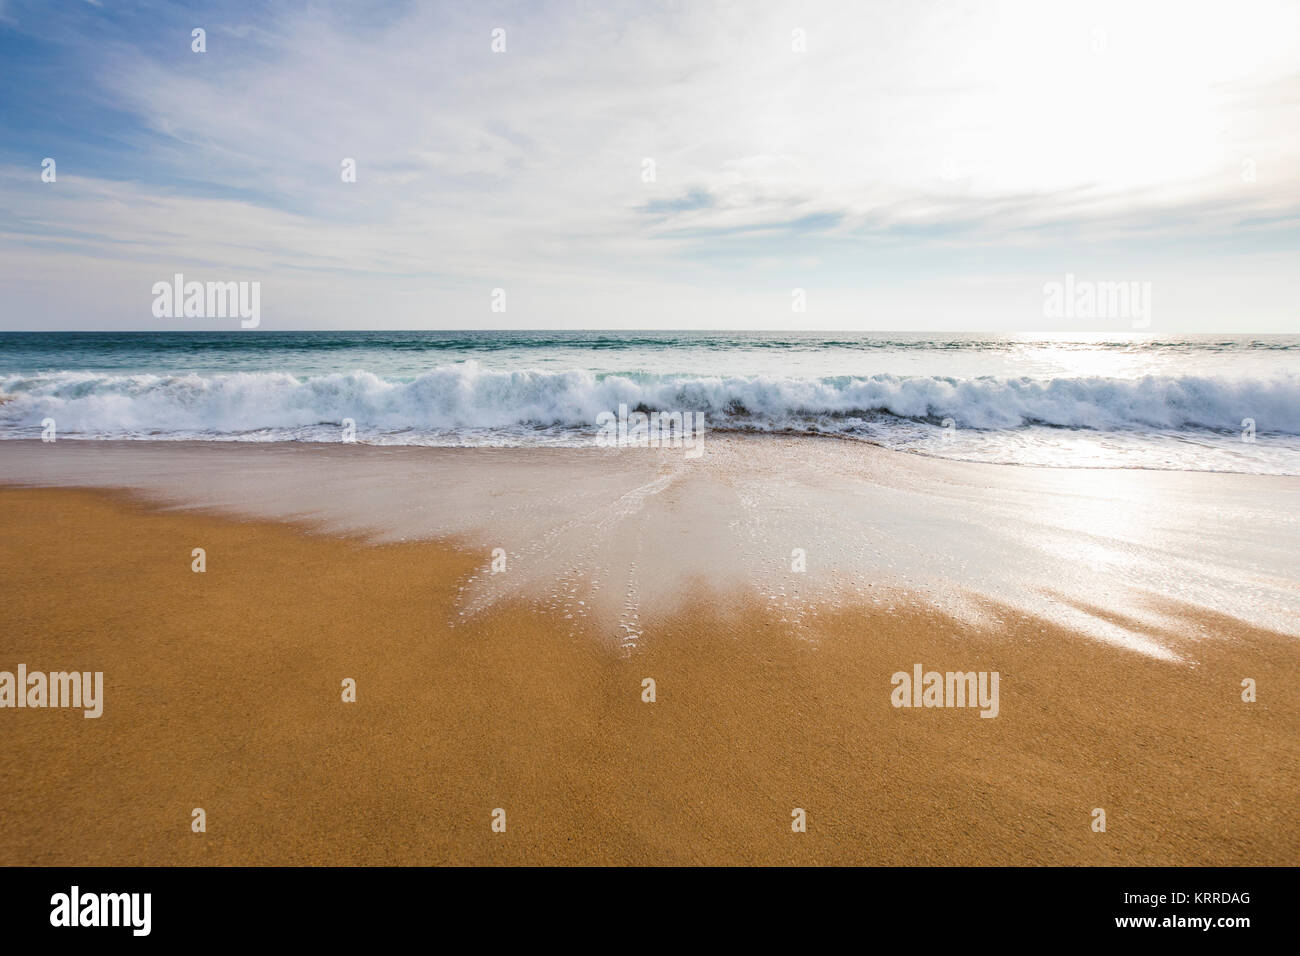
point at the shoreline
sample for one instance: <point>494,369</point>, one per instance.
<point>811,525</point>
<point>726,432</point>
<point>222,692</point>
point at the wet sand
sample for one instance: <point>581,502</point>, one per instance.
<point>609,536</point>
<point>222,691</point>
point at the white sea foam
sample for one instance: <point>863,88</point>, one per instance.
<point>467,403</point>
<point>616,538</point>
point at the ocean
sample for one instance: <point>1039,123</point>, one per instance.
<point>1191,403</point>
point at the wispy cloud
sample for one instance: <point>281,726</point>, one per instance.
<point>876,129</point>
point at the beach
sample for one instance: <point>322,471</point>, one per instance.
<point>648,435</point>
<point>1122,611</point>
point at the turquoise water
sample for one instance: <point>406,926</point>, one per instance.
<point>411,353</point>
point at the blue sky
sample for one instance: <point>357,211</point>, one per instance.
<point>908,165</point>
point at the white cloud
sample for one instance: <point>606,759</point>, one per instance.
<point>1011,124</point>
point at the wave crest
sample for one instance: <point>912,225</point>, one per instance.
<point>468,396</point>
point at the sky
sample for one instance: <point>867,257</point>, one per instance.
<point>906,165</point>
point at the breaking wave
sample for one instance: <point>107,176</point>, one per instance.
<point>465,396</point>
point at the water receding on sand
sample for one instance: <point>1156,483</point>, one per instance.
<point>606,539</point>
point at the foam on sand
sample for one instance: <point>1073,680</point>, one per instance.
<point>613,536</point>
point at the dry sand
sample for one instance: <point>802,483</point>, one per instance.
<point>222,691</point>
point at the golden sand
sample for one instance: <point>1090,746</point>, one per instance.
<point>223,691</point>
